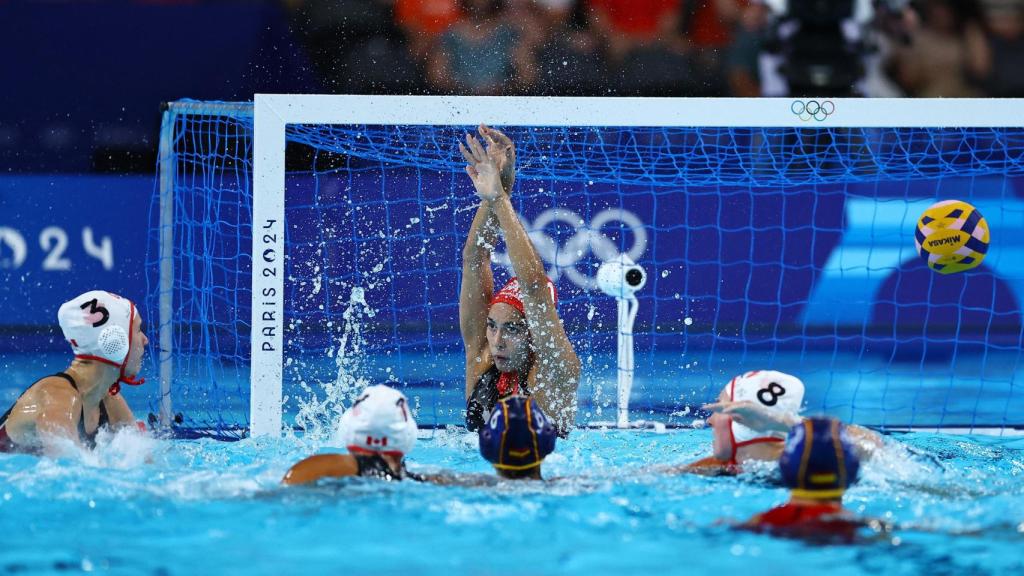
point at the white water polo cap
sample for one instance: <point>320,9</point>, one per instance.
<point>379,422</point>
<point>774,390</point>
<point>98,325</point>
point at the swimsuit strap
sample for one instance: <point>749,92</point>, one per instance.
<point>374,466</point>
<point>104,419</point>
<point>67,377</point>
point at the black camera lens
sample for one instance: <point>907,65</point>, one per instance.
<point>634,277</point>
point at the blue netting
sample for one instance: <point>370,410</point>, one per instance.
<point>783,248</point>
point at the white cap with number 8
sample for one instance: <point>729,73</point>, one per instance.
<point>774,390</point>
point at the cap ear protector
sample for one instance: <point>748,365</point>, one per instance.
<point>818,461</point>
<point>774,390</point>
<point>380,422</point>
<point>98,325</point>
<point>518,435</point>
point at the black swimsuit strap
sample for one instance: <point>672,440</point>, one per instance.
<point>374,466</point>
<point>67,377</point>
<point>86,438</point>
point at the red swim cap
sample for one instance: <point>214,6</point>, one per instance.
<point>510,294</point>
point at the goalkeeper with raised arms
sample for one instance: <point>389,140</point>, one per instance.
<point>515,342</point>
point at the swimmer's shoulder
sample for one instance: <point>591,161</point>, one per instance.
<point>51,395</point>
<point>319,466</point>
<point>54,387</point>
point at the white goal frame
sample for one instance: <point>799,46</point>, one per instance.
<point>273,112</point>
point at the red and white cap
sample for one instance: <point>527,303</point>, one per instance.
<point>774,390</point>
<point>379,421</point>
<point>98,325</point>
<point>510,294</point>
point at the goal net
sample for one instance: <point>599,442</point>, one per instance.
<point>302,247</point>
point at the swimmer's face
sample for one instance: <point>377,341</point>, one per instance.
<point>138,350</point>
<point>721,442</point>
<point>508,338</point>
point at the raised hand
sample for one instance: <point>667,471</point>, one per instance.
<point>501,148</point>
<point>482,168</point>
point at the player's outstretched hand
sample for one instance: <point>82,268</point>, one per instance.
<point>482,168</point>
<point>753,415</point>
<point>501,148</point>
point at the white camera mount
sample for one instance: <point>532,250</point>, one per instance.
<point>621,278</point>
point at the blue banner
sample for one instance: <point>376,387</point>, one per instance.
<point>63,235</point>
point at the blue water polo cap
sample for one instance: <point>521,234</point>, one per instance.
<point>818,461</point>
<point>518,434</point>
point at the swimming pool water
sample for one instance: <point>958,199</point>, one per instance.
<point>976,391</point>
<point>145,506</point>
<point>139,505</point>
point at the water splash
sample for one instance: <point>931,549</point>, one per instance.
<point>317,415</point>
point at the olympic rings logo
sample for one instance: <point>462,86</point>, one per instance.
<point>812,109</point>
<point>585,241</point>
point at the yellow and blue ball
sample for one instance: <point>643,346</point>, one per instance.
<point>951,236</point>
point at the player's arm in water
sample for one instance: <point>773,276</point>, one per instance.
<point>321,466</point>
<point>758,417</point>
<point>556,369</point>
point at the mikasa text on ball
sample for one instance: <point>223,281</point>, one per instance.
<point>951,236</point>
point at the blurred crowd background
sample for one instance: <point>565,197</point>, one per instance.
<point>84,79</point>
<point>930,48</point>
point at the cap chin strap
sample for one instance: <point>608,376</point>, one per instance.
<point>737,445</point>
<point>762,440</point>
<point>115,388</point>
<point>732,438</point>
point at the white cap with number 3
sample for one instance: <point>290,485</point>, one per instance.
<point>98,325</point>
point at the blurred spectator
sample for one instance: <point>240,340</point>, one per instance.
<point>709,26</point>
<point>628,25</point>
<point>423,21</point>
<point>742,58</point>
<point>568,58</point>
<point>648,55</point>
<point>481,53</point>
<point>934,63</point>
<point>355,45</point>
<point>996,48</point>
<point>330,28</point>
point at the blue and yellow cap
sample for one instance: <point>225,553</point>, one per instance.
<point>518,434</point>
<point>818,461</point>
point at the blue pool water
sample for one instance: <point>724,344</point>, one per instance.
<point>144,506</point>
<point>138,505</point>
<point>974,391</point>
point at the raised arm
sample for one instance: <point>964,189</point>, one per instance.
<point>557,369</point>
<point>477,277</point>
<point>477,287</point>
